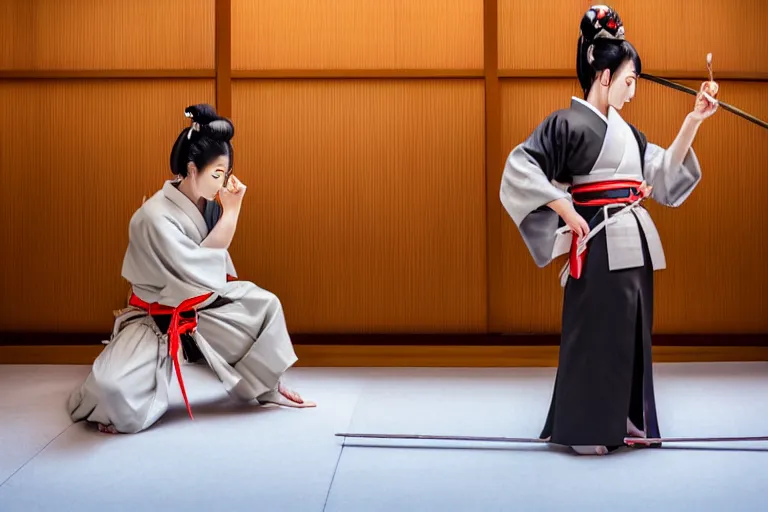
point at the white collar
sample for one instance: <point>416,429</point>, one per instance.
<point>178,198</point>
<point>593,108</point>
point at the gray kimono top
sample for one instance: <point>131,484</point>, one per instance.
<point>580,145</point>
<point>165,262</point>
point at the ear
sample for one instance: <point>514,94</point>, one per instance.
<point>191,168</point>
<point>605,77</point>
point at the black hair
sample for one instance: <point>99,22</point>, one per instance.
<point>207,139</point>
<point>608,54</point>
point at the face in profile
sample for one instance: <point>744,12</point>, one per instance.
<point>622,87</point>
<point>209,180</point>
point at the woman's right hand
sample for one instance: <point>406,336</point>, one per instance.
<point>576,222</point>
<point>571,217</point>
<point>231,196</point>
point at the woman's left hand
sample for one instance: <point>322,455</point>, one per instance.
<point>706,104</point>
<point>645,189</point>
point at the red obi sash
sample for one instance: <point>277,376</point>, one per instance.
<point>600,194</point>
<point>179,325</point>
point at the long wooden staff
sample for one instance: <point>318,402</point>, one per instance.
<point>688,90</point>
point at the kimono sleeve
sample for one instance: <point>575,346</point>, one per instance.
<point>182,268</point>
<point>212,214</point>
<point>672,181</point>
<point>527,185</point>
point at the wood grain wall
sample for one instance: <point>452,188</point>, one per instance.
<point>366,211</point>
<point>350,34</point>
<point>672,36</point>
<point>102,35</point>
<point>368,135</point>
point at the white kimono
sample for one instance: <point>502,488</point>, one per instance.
<point>245,341</point>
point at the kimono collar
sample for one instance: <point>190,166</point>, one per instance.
<point>178,198</point>
<point>592,108</point>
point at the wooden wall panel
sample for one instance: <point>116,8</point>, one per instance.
<point>669,34</point>
<point>76,158</point>
<point>92,34</point>
<point>366,202</point>
<point>716,244</point>
<point>350,34</point>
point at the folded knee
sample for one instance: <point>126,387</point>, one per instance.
<point>271,300</point>
<point>131,356</point>
<point>274,301</point>
<point>107,381</point>
<point>251,291</point>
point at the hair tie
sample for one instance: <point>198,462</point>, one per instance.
<point>600,21</point>
<point>194,128</point>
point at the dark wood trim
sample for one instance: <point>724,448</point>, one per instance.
<point>224,57</point>
<point>513,340</point>
<point>492,151</point>
<point>668,74</point>
<point>223,60</point>
<point>221,74</point>
<point>34,74</point>
<point>59,339</point>
<point>355,73</point>
<point>536,73</point>
<point>400,356</point>
<point>29,339</point>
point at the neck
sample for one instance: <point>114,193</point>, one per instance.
<point>598,99</point>
<point>187,188</point>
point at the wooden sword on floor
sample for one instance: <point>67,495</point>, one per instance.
<point>533,440</point>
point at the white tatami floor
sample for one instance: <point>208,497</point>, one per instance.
<point>243,458</point>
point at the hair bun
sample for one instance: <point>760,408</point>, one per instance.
<point>202,113</point>
<point>206,123</point>
<point>600,21</point>
<point>221,129</point>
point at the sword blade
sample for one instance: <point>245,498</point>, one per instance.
<point>445,438</point>
<point>688,90</point>
<point>533,440</point>
<point>638,440</point>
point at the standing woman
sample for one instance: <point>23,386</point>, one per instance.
<point>186,296</point>
<point>576,185</point>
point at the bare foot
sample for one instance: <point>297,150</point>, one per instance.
<point>107,429</point>
<point>633,431</point>
<point>294,397</point>
<point>286,397</point>
<point>590,450</point>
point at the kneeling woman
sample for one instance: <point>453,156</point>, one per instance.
<point>186,296</point>
<point>604,385</point>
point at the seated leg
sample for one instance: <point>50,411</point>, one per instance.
<point>127,390</point>
<point>251,335</point>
